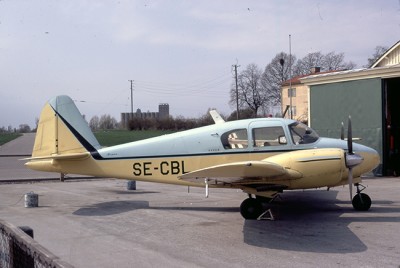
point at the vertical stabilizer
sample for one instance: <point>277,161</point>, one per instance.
<point>62,130</point>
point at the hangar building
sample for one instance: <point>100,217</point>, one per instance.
<point>371,96</point>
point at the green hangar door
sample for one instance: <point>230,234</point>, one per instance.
<point>391,129</point>
<point>331,104</point>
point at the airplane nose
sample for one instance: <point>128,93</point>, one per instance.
<point>371,159</point>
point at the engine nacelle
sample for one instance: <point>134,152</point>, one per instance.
<point>319,167</point>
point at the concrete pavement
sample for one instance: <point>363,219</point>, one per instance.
<point>12,166</point>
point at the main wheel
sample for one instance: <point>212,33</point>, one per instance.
<point>361,202</point>
<point>251,208</point>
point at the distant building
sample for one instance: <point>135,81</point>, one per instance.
<point>163,113</point>
<point>163,110</point>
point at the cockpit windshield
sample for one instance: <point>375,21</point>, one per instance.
<point>302,134</point>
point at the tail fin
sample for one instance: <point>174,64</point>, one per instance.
<point>62,131</point>
<point>216,117</point>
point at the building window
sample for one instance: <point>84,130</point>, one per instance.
<point>291,92</point>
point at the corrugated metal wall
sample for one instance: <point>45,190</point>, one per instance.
<point>331,104</point>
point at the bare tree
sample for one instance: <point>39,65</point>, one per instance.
<point>327,62</point>
<point>107,122</point>
<point>24,128</point>
<point>250,90</point>
<point>304,65</point>
<point>276,72</point>
<point>333,61</point>
<point>379,51</point>
<point>94,123</point>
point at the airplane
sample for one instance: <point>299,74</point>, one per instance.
<point>261,156</point>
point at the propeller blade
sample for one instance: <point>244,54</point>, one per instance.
<point>350,179</point>
<point>350,137</point>
<point>342,132</point>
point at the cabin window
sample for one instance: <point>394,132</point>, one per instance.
<point>302,134</point>
<point>269,136</point>
<point>235,139</point>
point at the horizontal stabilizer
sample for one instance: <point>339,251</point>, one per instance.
<point>76,156</point>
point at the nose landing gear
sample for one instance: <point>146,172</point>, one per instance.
<point>361,201</point>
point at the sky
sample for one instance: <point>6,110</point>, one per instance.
<point>177,52</point>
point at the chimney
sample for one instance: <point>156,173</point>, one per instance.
<point>315,70</point>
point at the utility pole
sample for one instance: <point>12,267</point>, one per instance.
<point>131,96</point>
<point>131,185</point>
<point>290,76</point>
<point>237,91</point>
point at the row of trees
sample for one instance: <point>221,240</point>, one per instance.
<point>23,128</point>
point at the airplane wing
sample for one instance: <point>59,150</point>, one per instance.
<point>241,172</point>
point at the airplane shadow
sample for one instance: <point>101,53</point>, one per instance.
<point>125,192</point>
<point>111,208</point>
<point>313,222</point>
<point>117,207</point>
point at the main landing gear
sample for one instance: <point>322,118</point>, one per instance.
<point>252,208</point>
<point>361,201</point>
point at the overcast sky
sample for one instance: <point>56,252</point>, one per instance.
<point>178,52</point>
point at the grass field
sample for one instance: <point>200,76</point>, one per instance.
<point>106,138</point>
<point>6,137</point>
<point>114,137</point>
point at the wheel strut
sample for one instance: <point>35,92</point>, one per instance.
<point>358,186</point>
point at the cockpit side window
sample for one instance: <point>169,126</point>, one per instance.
<point>269,136</point>
<point>302,134</point>
<point>235,139</point>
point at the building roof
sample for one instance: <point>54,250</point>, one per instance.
<point>356,74</point>
<point>390,57</point>
<point>297,79</point>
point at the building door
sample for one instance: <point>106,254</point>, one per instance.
<point>391,127</point>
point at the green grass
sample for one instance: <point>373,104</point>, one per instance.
<point>106,138</point>
<point>115,137</point>
<point>6,137</point>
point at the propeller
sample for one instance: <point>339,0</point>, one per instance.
<point>342,132</point>
<point>352,159</point>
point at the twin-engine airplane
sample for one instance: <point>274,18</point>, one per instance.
<point>261,156</point>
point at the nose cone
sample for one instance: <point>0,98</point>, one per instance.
<point>370,156</point>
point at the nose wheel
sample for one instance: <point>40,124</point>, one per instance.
<point>361,201</point>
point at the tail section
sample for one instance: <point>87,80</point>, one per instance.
<point>62,133</point>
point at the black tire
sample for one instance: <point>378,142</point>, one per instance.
<point>251,209</point>
<point>361,202</point>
